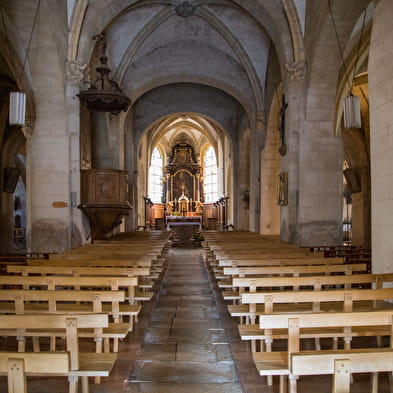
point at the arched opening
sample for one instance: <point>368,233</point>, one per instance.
<point>356,141</point>
<point>186,163</point>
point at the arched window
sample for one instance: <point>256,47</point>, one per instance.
<point>210,175</point>
<point>155,177</point>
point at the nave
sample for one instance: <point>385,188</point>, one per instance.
<point>185,339</point>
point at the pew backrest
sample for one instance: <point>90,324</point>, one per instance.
<point>79,270</point>
<point>295,270</point>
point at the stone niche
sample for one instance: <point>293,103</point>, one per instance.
<point>104,199</point>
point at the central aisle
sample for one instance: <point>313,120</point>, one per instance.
<point>185,349</point>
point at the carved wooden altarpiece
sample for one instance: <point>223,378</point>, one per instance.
<point>183,174</point>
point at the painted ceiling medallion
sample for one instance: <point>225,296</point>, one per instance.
<point>184,9</point>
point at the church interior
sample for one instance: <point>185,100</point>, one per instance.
<point>175,140</point>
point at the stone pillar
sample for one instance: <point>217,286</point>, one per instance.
<point>314,165</point>
<point>270,169</point>
<point>28,131</point>
<point>242,158</point>
<point>381,128</point>
<point>198,190</point>
<point>78,230</point>
<point>255,169</point>
<point>294,116</point>
<point>48,149</point>
<point>361,210</point>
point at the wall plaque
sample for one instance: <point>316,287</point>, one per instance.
<point>59,204</point>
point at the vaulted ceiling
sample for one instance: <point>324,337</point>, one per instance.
<point>223,44</point>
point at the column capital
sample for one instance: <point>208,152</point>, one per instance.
<point>296,71</point>
<point>75,71</point>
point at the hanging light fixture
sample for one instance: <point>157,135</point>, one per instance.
<point>351,103</point>
<point>104,94</point>
<point>17,114</point>
<point>351,107</point>
<point>17,108</point>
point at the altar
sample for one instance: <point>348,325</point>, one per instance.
<point>188,220</point>
<point>182,188</point>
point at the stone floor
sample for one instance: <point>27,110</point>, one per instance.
<point>186,342</point>
<point>185,347</point>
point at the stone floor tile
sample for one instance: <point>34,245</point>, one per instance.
<point>160,352</point>
<point>211,324</point>
<point>184,388</point>
<point>156,335</point>
<point>223,353</point>
<point>190,314</point>
<point>196,335</point>
<point>195,353</point>
<point>187,372</point>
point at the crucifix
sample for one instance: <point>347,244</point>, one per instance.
<point>283,148</point>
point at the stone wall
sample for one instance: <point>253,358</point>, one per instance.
<point>381,121</point>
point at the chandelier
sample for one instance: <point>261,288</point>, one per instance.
<point>104,94</point>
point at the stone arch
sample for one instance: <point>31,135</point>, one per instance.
<point>154,133</point>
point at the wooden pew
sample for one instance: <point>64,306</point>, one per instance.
<point>68,302</point>
<point>260,303</point>
<point>251,332</point>
<point>295,271</point>
<point>61,282</point>
<point>17,366</point>
<point>82,365</point>
<point>265,259</point>
<point>315,282</point>
<point>347,300</point>
<point>292,363</point>
<point>92,262</point>
<point>258,255</point>
<point>155,269</point>
<point>116,330</point>
<point>145,279</point>
<point>342,364</point>
<point>278,260</point>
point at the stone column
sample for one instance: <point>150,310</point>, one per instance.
<point>314,165</point>
<point>381,142</point>
<point>48,149</point>
<point>198,192</point>
<point>167,180</point>
<point>28,131</point>
<point>294,116</point>
<point>361,209</point>
<point>255,170</point>
<point>78,230</point>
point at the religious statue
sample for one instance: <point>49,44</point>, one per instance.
<point>198,207</point>
<point>183,202</point>
<point>169,208</point>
